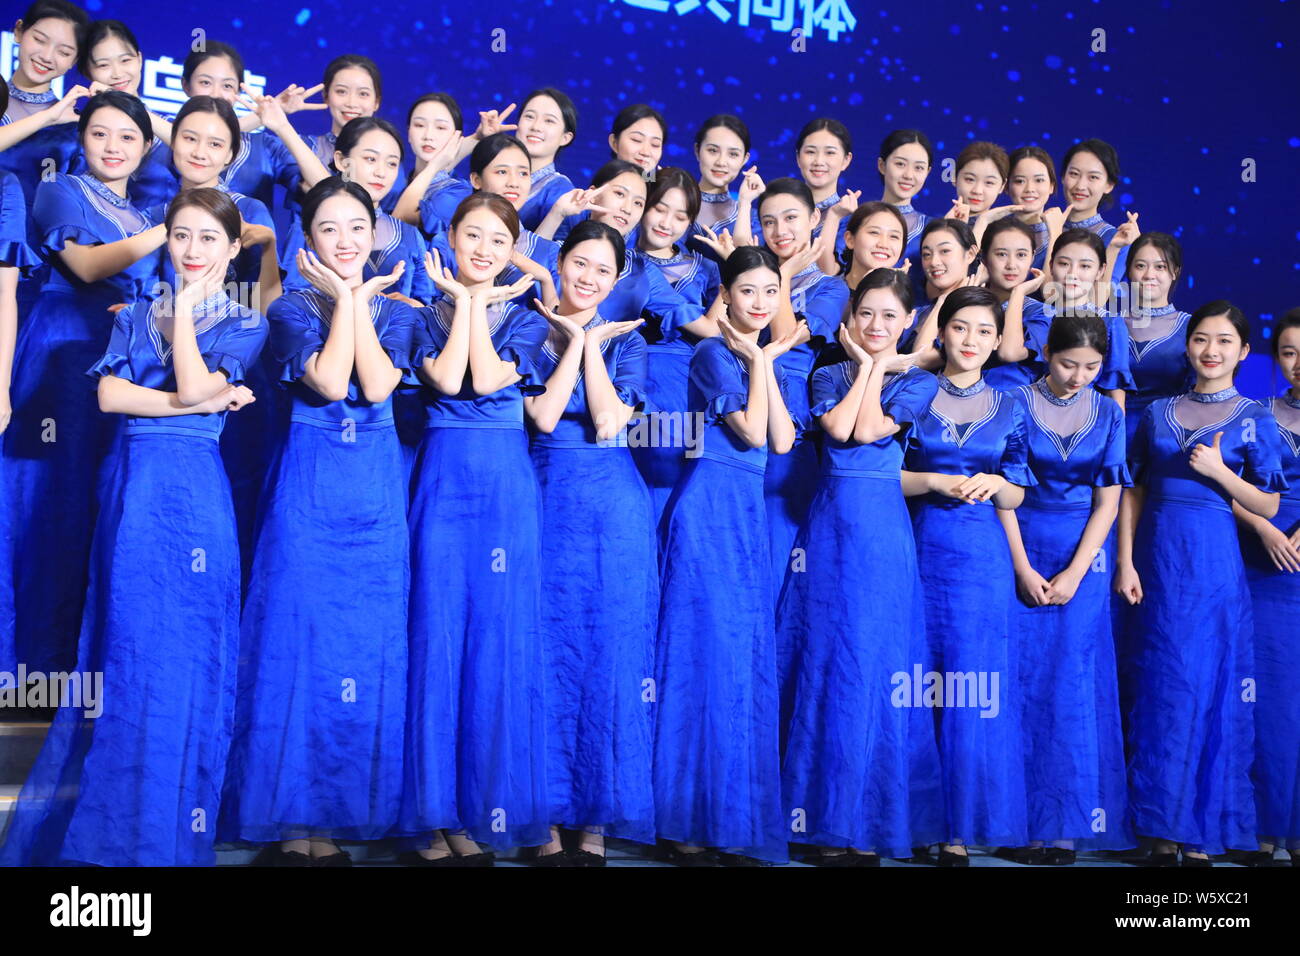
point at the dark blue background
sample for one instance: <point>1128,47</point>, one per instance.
<point>1185,92</point>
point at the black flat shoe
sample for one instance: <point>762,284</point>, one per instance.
<point>586,858</point>
<point>1057,856</point>
<point>1199,863</point>
<point>341,858</point>
<point>1024,855</point>
<point>1251,857</point>
<point>948,858</point>
<point>667,853</point>
<point>487,858</point>
<point>865,859</point>
<point>272,855</point>
<point>738,859</point>
<point>558,858</point>
<point>412,858</point>
<point>831,859</point>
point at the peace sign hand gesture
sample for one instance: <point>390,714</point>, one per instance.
<point>493,121</point>
<point>293,98</point>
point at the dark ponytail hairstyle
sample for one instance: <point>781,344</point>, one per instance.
<point>1077,332</point>
<point>895,280</point>
<point>634,113</point>
<point>787,186</point>
<point>590,229</point>
<point>128,104</point>
<point>613,169</point>
<point>1223,307</point>
<point>446,99</point>
<point>1290,319</point>
<point>211,48</point>
<point>830,125</point>
<point>568,112</point>
<point>1108,158</point>
<point>967,296</point>
<point>218,107</point>
<point>901,137</point>
<point>213,201</point>
<point>59,10</point>
<point>726,121</point>
<point>95,34</point>
<point>671,177</point>
<point>358,62</point>
<point>493,146</point>
<point>1166,245</point>
<point>1032,152</point>
<point>860,215</point>
<point>332,186</point>
<point>354,129</point>
<point>1085,236</point>
<point>745,258</point>
<point>1005,224</point>
<point>960,230</point>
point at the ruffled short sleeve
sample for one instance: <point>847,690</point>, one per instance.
<point>631,369</point>
<point>1263,466</point>
<point>909,397</point>
<point>1115,370</point>
<point>668,305</point>
<point>1014,466</point>
<point>237,348</point>
<point>14,250</point>
<point>116,359</point>
<point>296,334</point>
<point>1112,465</point>
<point>523,332</point>
<point>719,378</point>
<point>59,216</point>
<point>827,388</point>
<point>397,336</point>
<point>822,305</point>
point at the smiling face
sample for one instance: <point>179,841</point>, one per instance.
<point>215,76</point>
<point>350,94</point>
<point>969,338</point>
<point>430,127</point>
<point>1151,276</point>
<point>115,64</point>
<point>877,243</point>
<point>342,235</point>
<point>878,321</point>
<point>1074,269</point>
<point>978,184</point>
<point>666,221</point>
<point>509,174</point>
<point>624,197</point>
<point>113,145</point>
<point>1011,255</point>
<point>822,159</point>
<point>642,143</point>
<point>587,274</point>
<point>46,50</point>
<point>201,149</point>
<point>787,224</point>
<point>1030,185</point>
<point>752,300</point>
<point>1215,350</point>
<point>373,163</point>
<point>944,260</point>
<point>1288,355</point>
<point>722,155</point>
<point>904,170</point>
<point>541,129</point>
<point>482,244</point>
<point>196,240</point>
<point>1085,182</point>
<point>1073,369</point>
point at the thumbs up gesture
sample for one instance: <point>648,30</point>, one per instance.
<point>1207,460</point>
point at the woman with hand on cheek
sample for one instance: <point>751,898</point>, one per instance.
<point>1188,645</point>
<point>717,774</point>
<point>140,783</point>
<point>722,150</point>
<point>317,749</point>
<point>600,576</point>
<point>433,132</point>
<point>971,451</point>
<point>849,753</point>
<point>1272,552</point>
<point>1063,551</point>
<point>1007,254</point>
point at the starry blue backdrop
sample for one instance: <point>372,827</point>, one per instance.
<point>1187,93</point>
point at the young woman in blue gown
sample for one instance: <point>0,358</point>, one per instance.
<point>1063,551</point>
<point>850,752</point>
<point>1007,255</point>
<point>548,122</point>
<point>971,458</point>
<point>905,160</point>
<point>1089,175</point>
<point>1272,552</point>
<point>317,750</point>
<point>671,207</point>
<point>717,774</point>
<point>1188,641</point>
<point>787,215</point>
<point>139,784</point>
<point>637,136</point>
<point>1030,184</point>
<point>600,577</point>
<point>980,173</point>
<point>432,193</point>
<point>874,236</point>
<point>947,254</point>
<point>722,151</point>
<point>1156,328</point>
<point>823,152</point>
<point>101,251</point>
<point>475,735</point>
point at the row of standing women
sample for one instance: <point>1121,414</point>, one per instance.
<point>727,545</point>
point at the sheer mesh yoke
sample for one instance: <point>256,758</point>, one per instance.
<point>962,410</point>
<point>1062,419</point>
<point>712,213</point>
<point>1288,416</point>
<point>1194,416</point>
<point>1147,327</point>
<point>676,269</point>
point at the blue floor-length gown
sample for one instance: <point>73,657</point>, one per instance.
<point>476,738</point>
<point>717,773</point>
<point>863,771</point>
<point>969,587</point>
<point>1276,597</point>
<point>1074,745</point>
<point>1189,643</point>
<point>1159,365</point>
<point>58,437</point>
<point>600,599</point>
<point>139,784</point>
<point>322,666</point>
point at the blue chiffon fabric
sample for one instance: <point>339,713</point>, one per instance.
<point>1159,367</point>
<point>1188,644</point>
<point>139,783</point>
<point>858,770</point>
<point>318,735</point>
<point>968,584</point>
<point>600,598</point>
